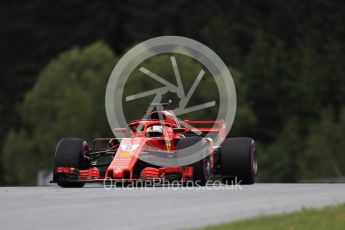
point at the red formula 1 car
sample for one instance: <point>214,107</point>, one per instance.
<point>158,148</point>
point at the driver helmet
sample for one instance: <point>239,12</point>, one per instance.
<point>154,131</point>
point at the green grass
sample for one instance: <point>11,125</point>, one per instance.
<point>332,217</point>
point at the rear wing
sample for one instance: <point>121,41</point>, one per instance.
<point>213,127</point>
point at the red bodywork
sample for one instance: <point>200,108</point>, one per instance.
<point>128,149</point>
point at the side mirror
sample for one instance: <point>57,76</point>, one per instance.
<point>179,130</point>
<point>121,131</point>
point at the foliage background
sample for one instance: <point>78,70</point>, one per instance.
<point>287,59</point>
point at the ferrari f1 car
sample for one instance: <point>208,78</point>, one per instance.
<point>185,155</point>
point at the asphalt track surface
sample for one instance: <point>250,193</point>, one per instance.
<point>94,207</point>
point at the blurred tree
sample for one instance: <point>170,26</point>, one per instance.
<point>325,147</point>
<point>66,101</point>
<point>281,161</point>
<point>245,122</point>
<point>189,69</point>
<point>269,85</point>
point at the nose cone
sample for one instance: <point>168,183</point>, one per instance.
<point>118,173</point>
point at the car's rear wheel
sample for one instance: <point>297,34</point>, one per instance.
<point>239,160</point>
<point>71,153</point>
<point>199,147</point>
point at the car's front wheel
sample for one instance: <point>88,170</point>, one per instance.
<point>70,153</point>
